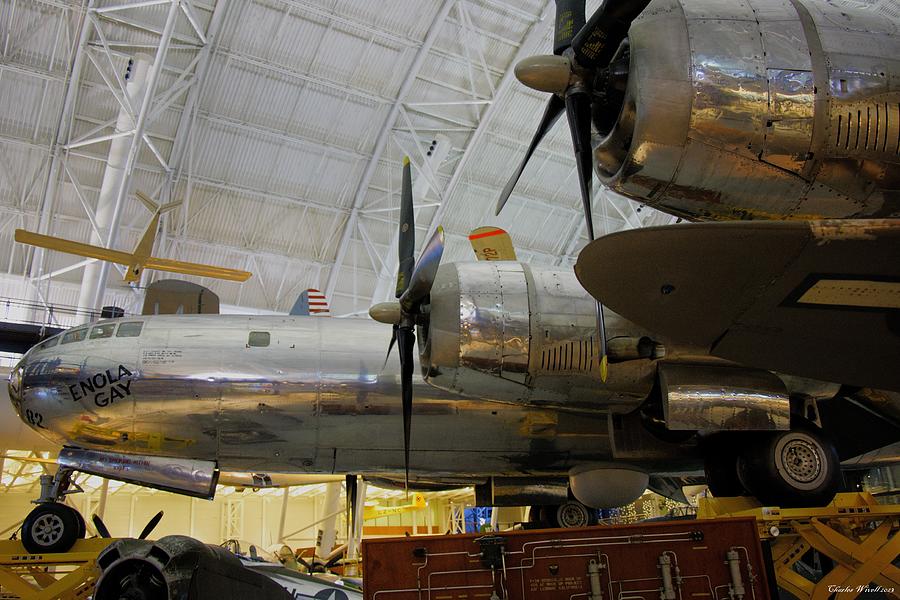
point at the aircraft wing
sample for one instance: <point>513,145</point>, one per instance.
<point>492,243</point>
<point>187,268</point>
<point>819,299</point>
<point>70,247</point>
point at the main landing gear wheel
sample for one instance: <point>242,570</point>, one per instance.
<point>720,465</point>
<point>565,516</point>
<point>791,468</point>
<point>52,527</point>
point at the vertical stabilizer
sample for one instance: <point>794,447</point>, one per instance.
<point>311,302</point>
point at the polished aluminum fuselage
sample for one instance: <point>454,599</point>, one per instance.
<point>759,109</point>
<point>316,399</point>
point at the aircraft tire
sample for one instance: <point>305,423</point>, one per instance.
<point>51,527</point>
<point>574,514</point>
<point>796,468</point>
<point>567,515</point>
<point>720,465</point>
<point>82,527</point>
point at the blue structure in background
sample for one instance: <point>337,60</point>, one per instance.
<point>478,518</point>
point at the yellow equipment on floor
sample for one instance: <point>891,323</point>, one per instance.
<point>65,576</point>
<point>857,533</point>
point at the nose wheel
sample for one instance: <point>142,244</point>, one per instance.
<point>52,527</point>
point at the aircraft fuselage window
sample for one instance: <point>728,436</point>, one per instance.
<point>103,331</point>
<point>259,339</point>
<point>76,335</point>
<point>130,329</point>
<point>48,343</point>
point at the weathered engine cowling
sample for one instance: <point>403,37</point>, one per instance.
<point>516,333</point>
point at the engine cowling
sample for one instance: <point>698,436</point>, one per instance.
<point>523,334</point>
<point>756,109</point>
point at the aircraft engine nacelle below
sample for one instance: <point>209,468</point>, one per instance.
<point>756,109</point>
<point>601,486</point>
<point>177,566</point>
<point>526,335</point>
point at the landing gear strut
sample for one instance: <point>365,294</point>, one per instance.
<point>53,526</point>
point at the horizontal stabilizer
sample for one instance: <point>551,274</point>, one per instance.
<point>818,299</point>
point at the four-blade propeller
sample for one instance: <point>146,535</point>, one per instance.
<point>103,531</point>
<point>582,75</point>
<point>414,282</point>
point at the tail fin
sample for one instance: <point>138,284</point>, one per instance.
<point>311,302</point>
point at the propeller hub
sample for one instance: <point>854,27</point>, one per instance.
<point>545,73</point>
<point>386,312</point>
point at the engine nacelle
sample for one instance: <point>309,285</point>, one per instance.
<point>177,566</point>
<point>757,109</point>
<point>521,334</point>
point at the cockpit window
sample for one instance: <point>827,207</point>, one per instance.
<point>130,329</point>
<point>259,339</point>
<point>103,331</point>
<point>48,343</point>
<point>76,335</point>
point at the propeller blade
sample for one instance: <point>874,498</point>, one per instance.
<point>100,526</point>
<point>423,275</point>
<point>596,42</point>
<point>555,108</point>
<point>150,526</point>
<point>406,339</point>
<point>578,112</point>
<point>387,356</point>
<point>569,21</point>
<point>407,238</point>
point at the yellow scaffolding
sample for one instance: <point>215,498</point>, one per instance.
<point>859,535</point>
<point>65,576</point>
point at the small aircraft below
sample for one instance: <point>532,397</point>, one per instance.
<point>140,258</point>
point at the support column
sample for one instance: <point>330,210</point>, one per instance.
<point>353,543</point>
<point>104,494</point>
<point>285,495</point>
<point>63,127</point>
<point>92,283</point>
<point>327,534</point>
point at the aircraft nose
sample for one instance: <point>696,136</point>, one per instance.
<point>14,383</point>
